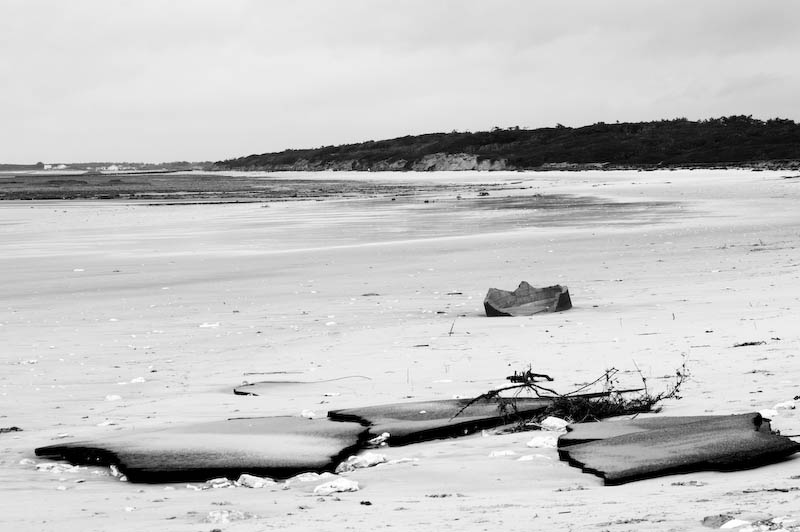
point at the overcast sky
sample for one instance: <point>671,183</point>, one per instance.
<point>147,80</point>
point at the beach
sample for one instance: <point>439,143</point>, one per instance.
<point>129,315</point>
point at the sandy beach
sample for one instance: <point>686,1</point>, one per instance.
<point>122,315</point>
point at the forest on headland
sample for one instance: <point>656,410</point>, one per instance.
<point>727,141</point>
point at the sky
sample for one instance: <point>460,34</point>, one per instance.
<point>202,80</point>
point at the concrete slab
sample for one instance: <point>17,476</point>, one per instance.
<point>526,300</point>
<point>277,447</point>
<point>427,420</point>
<point>718,443</point>
<point>341,385</point>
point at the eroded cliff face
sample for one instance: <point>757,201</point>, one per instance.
<point>429,163</point>
<point>456,162</point>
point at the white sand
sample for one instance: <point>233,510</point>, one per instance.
<point>96,297</point>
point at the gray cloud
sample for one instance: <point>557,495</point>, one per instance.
<point>188,79</point>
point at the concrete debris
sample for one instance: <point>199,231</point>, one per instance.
<point>360,462</point>
<point>624,451</point>
<point>419,421</point>
<point>252,481</point>
<point>554,424</point>
<point>339,485</point>
<point>526,300</point>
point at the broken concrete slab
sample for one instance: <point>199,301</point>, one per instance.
<point>608,428</point>
<point>269,446</point>
<point>526,300</point>
<point>330,386</point>
<point>718,443</point>
<point>428,420</point>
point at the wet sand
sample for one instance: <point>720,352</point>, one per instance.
<point>125,315</point>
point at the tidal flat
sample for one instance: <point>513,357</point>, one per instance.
<point>146,310</point>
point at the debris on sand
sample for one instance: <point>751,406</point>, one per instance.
<point>339,485</point>
<point>218,483</point>
<point>252,481</point>
<point>750,344</point>
<point>526,300</point>
<point>5,430</point>
<point>554,424</point>
<point>728,522</point>
<point>361,461</point>
<point>322,388</point>
<point>624,451</point>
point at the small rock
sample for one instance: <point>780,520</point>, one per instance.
<point>360,462</point>
<point>336,486</point>
<point>252,481</point>
<point>716,521</point>
<point>689,483</point>
<point>380,440</point>
<point>221,482</point>
<point>309,414</point>
<point>554,424</point>
<point>786,405</point>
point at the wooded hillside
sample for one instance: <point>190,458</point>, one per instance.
<point>679,142</point>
